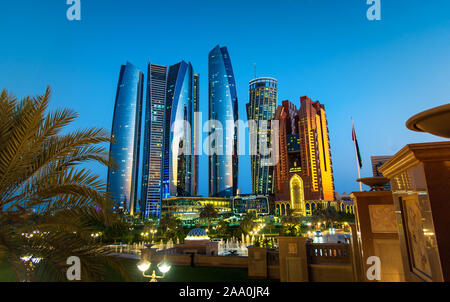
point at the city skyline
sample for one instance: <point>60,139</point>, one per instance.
<point>356,68</point>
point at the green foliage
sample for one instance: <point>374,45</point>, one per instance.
<point>49,206</point>
<point>224,230</point>
<point>291,224</point>
<point>247,224</point>
<point>328,215</point>
<point>170,227</point>
<point>345,217</point>
<point>208,212</point>
<point>266,242</point>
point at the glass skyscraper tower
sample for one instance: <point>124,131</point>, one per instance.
<point>223,107</point>
<point>261,107</point>
<point>153,140</point>
<point>178,134</point>
<point>126,131</point>
<point>196,138</point>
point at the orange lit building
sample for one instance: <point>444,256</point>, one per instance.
<point>304,170</point>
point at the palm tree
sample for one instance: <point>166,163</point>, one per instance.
<point>223,229</point>
<point>49,206</point>
<point>290,223</point>
<point>270,225</point>
<point>328,214</point>
<point>248,223</point>
<point>208,212</point>
<point>331,215</point>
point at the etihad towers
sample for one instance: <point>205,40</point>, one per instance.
<point>223,110</point>
<point>169,160</point>
<point>153,140</point>
<point>178,141</point>
<point>126,130</point>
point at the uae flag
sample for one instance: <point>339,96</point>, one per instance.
<point>358,154</point>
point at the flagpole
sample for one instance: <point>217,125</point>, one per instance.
<point>356,156</point>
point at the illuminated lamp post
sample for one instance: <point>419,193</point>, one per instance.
<point>144,265</point>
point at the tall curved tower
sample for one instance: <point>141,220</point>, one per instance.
<point>178,140</point>
<point>126,133</point>
<point>223,107</point>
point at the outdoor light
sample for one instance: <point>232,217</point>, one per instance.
<point>25,258</point>
<point>163,267</point>
<point>143,265</point>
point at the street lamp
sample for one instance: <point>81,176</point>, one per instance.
<point>163,267</point>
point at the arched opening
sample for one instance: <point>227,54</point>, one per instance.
<point>297,194</point>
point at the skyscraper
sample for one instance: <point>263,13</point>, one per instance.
<point>126,132</point>
<point>261,107</point>
<point>178,132</point>
<point>153,140</point>
<point>223,107</point>
<point>196,138</point>
<point>315,147</point>
<point>304,171</point>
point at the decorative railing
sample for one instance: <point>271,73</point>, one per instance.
<point>326,253</point>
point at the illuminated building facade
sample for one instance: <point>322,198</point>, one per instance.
<point>178,133</point>
<point>153,140</point>
<point>304,170</point>
<point>126,131</point>
<point>244,204</point>
<point>189,208</point>
<point>223,107</point>
<point>344,205</point>
<point>315,149</point>
<point>261,107</point>
<point>196,138</point>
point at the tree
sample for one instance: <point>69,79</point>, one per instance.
<point>290,224</point>
<point>170,227</point>
<point>224,230</point>
<point>270,225</point>
<point>329,215</point>
<point>49,205</point>
<point>208,212</point>
<point>248,223</point>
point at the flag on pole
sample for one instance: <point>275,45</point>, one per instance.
<point>356,146</point>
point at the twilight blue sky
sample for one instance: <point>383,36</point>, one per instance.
<point>379,72</point>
